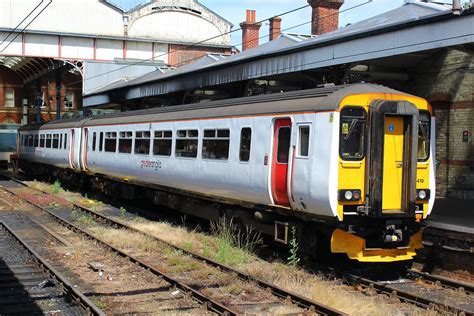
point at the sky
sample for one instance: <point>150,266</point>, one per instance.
<point>234,11</point>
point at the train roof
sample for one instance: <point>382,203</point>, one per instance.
<point>320,99</point>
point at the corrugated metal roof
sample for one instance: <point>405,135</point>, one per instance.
<point>294,53</point>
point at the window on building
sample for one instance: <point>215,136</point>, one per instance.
<point>162,143</point>
<point>94,139</point>
<point>69,100</point>
<point>65,141</point>
<point>110,141</point>
<point>9,98</point>
<point>48,140</point>
<point>303,141</point>
<point>125,142</point>
<point>187,143</point>
<point>56,141</point>
<point>36,141</point>
<point>142,142</point>
<point>245,142</point>
<point>101,140</point>
<point>42,137</point>
<point>215,144</point>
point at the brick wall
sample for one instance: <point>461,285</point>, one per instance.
<point>446,79</point>
<point>180,55</point>
<point>10,80</point>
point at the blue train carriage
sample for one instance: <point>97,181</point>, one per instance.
<point>8,134</point>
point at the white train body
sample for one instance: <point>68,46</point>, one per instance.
<point>294,162</point>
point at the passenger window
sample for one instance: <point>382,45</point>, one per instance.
<point>56,141</point>
<point>216,144</point>
<point>101,140</point>
<point>36,142</point>
<point>303,141</point>
<point>65,141</point>
<point>424,136</point>
<point>284,134</point>
<point>48,141</point>
<point>245,142</point>
<point>61,141</point>
<point>142,142</point>
<point>125,142</point>
<point>110,141</point>
<point>41,143</point>
<point>94,140</point>
<point>30,140</point>
<point>162,143</point>
<point>352,133</point>
<point>187,143</point>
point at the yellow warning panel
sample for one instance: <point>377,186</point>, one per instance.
<point>392,163</point>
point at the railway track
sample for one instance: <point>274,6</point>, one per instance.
<point>283,296</point>
<point>421,289</point>
<point>30,285</point>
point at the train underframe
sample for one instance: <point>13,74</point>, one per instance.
<point>363,239</point>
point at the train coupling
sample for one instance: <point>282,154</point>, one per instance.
<point>392,234</point>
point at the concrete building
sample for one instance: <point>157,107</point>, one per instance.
<point>423,48</point>
<point>46,45</point>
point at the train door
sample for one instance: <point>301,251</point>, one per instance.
<point>392,187</point>
<point>281,152</point>
<point>84,149</point>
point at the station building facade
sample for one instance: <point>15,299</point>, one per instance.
<point>45,45</point>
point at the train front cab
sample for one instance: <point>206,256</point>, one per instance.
<point>385,176</point>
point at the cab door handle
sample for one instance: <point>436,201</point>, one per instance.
<point>399,164</point>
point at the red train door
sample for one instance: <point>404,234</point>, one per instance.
<point>281,152</point>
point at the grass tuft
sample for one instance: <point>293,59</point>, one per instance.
<point>56,187</point>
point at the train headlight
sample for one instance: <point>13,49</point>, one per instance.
<point>423,194</point>
<point>349,195</point>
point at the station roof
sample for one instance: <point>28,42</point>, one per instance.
<point>413,27</point>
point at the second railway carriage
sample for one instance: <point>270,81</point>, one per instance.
<point>351,165</point>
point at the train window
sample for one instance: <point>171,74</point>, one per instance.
<point>284,134</point>
<point>36,142</point>
<point>216,144</point>
<point>187,143</point>
<point>352,133</point>
<point>56,141</point>
<point>101,140</point>
<point>245,141</point>
<point>162,143</point>
<point>31,141</point>
<point>48,140</point>
<point>110,141</point>
<point>65,141</point>
<point>303,141</point>
<point>41,142</point>
<point>142,142</point>
<point>61,141</point>
<point>424,136</point>
<point>94,140</point>
<point>125,142</point>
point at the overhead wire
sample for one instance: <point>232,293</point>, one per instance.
<point>23,30</point>
<point>24,19</point>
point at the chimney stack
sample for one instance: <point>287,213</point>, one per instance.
<point>250,31</point>
<point>275,27</point>
<point>325,17</point>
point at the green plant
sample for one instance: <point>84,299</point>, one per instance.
<point>56,187</point>
<point>293,259</point>
<point>122,211</point>
<point>86,219</point>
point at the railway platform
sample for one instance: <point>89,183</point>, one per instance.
<point>452,215</point>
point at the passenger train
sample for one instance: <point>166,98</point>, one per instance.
<point>352,167</point>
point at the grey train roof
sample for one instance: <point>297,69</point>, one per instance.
<point>319,99</point>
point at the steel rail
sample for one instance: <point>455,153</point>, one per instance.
<point>295,298</point>
<point>76,296</point>
<point>206,302</point>
<point>446,282</point>
<point>404,296</point>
